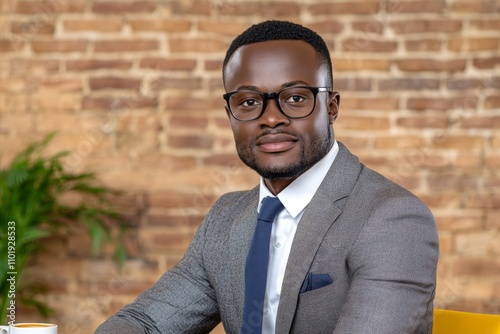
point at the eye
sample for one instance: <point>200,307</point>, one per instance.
<point>295,99</point>
<point>249,103</point>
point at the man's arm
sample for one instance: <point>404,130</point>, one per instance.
<point>393,262</point>
<point>182,301</point>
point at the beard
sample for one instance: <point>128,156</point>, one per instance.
<point>312,151</point>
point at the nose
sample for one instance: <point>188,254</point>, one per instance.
<point>272,115</point>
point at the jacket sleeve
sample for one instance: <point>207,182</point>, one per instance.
<point>393,266</point>
<point>181,301</point>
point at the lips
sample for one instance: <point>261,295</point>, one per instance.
<point>275,143</point>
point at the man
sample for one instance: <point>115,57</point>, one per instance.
<point>350,252</point>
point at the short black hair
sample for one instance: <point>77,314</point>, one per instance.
<point>274,30</point>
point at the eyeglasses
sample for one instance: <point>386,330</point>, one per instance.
<point>294,102</point>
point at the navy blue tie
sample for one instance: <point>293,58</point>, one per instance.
<point>256,266</point>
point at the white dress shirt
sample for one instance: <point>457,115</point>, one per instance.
<point>295,197</point>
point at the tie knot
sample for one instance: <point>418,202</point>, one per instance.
<point>270,207</point>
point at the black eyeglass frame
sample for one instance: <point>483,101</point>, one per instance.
<point>274,96</point>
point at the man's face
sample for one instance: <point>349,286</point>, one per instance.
<point>275,146</point>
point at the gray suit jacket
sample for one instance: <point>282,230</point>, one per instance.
<point>376,240</point>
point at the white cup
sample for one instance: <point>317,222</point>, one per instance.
<point>29,328</point>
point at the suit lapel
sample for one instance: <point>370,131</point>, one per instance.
<point>319,215</point>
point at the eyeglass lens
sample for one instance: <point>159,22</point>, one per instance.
<point>295,102</point>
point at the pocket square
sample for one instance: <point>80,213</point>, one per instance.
<point>315,281</point>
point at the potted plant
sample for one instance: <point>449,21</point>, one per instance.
<point>31,209</point>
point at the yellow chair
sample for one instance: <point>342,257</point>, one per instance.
<point>456,322</point>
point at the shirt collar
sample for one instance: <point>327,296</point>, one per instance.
<point>297,195</point>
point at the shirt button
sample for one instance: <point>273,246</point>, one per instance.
<point>266,310</point>
<point>277,245</point>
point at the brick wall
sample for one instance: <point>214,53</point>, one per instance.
<point>134,90</point>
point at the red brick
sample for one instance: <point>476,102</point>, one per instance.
<point>428,44</point>
<point>30,28</point>
<point>456,142</point>
<point>222,28</point>
<point>126,45</point>
<point>160,25</point>
<point>132,7</point>
<point>49,7</point>
<point>100,25</point>
<point>481,122</point>
<point>52,101</point>
<point>189,142</point>
<point>438,103</point>
<point>171,199</point>
<point>408,84</point>
<point>223,160</point>
<point>345,7</point>
<point>63,84</point>
<point>216,85</point>
<point>239,8</point>
<point>168,220</point>
<point>188,122</point>
<point>11,103</point>
<point>476,267</point>
<point>192,103</point>
<point>419,65</point>
<point>166,64</point>
<point>489,62</point>
<point>424,26</point>
<point>492,102</point>
<point>491,82</point>
<point>113,82</point>
<point>466,160</point>
<point>468,6</point>
<point>353,84</point>
<point>493,160</point>
<point>368,45</point>
<point>474,44</point>
<point>161,239</point>
<point>183,8</point>
<point>396,7</point>
<point>423,122</point>
<point>495,141</point>
<point>114,103</point>
<point>7,45</point>
<point>493,219</point>
<point>157,160</point>
<point>213,65</point>
<point>98,64</point>
<point>398,142</point>
<point>464,84</point>
<point>369,27</point>
<point>482,200</point>
<point>23,66</point>
<point>177,84</point>
<point>452,182</point>
<point>459,222</point>
<point>369,103</point>
<point>360,64</point>
<point>327,27</point>
<point>197,45</point>
<point>438,201</point>
<point>59,46</point>
<point>363,123</point>
<point>281,9</point>
<point>485,24</point>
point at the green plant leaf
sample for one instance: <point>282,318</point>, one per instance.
<point>30,192</point>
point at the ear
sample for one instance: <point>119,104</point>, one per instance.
<point>228,113</point>
<point>333,105</point>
